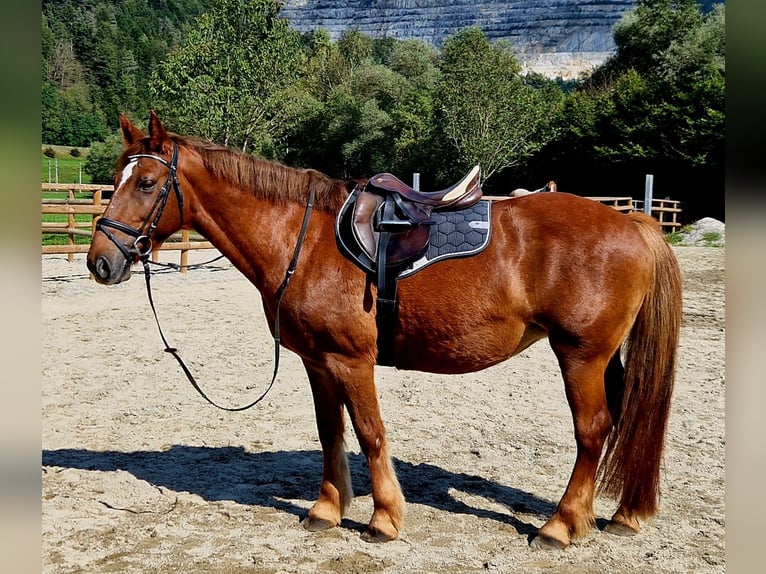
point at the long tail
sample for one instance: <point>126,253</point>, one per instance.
<point>630,468</point>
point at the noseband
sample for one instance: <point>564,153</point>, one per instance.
<point>144,234</point>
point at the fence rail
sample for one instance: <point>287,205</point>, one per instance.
<point>68,201</point>
<point>666,211</point>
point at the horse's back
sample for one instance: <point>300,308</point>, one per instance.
<point>555,263</point>
<point>569,215</point>
<point>567,244</point>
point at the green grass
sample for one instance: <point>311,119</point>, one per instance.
<point>68,172</point>
<point>675,237</point>
<point>712,238</point>
<point>68,166</point>
<point>59,238</point>
<point>56,239</point>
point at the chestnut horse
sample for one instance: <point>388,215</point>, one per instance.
<point>602,286</point>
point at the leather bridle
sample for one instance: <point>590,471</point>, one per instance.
<point>144,234</point>
<point>142,242</point>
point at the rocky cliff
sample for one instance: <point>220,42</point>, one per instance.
<point>553,37</point>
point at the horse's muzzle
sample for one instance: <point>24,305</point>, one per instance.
<point>109,272</point>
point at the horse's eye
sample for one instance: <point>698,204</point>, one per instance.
<point>147,184</point>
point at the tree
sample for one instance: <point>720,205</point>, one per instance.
<point>666,86</point>
<point>229,81</point>
<point>355,47</point>
<point>51,113</point>
<point>486,111</point>
<point>357,115</point>
<point>325,67</point>
<point>106,50</point>
<point>656,106</point>
<point>416,61</point>
<point>643,34</point>
<point>101,163</point>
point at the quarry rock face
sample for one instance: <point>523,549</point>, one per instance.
<point>553,37</point>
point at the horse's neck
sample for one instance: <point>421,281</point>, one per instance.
<point>257,235</point>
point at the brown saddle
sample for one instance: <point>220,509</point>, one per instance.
<point>384,225</point>
<point>387,204</point>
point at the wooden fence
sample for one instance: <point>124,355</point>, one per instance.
<point>73,199</point>
<point>666,211</point>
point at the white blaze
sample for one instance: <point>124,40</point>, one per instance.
<point>126,173</point>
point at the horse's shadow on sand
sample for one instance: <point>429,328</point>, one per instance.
<point>270,479</point>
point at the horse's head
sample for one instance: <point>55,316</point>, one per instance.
<point>147,204</point>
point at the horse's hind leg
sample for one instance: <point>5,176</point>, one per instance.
<point>586,393</point>
<point>335,493</point>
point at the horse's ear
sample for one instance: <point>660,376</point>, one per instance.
<point>159,140</point>
<point>130,133</point>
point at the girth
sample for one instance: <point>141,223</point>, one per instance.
<point>384,225</point>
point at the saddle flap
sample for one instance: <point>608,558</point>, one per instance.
<point>365,206</point>
<point>407,240</point>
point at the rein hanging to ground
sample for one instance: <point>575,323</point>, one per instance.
<point>280,292</point>
<point>145,235</point>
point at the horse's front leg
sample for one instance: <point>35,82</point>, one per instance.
<point>362,402</point>
<point>335,493</point>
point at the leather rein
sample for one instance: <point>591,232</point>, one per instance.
<point>143,237</point>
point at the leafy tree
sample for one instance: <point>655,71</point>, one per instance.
<point>355,47</point>
<point>643,35</point>
<point>110,48</point>
<point>667,86</point>
<point>382,49</point>
<point>231,78</point>
<point>486,111</point>
<point>51,113</point>
<point>699,53</point>
<point>416,61</point>
<point>101,163</point>
<point>656,106</point>
<point>325,67</point>
<point>358,116</point>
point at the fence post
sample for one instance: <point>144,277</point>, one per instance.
<point>648,192</point>
<point>72,224</point>
<point>416,181</point>
<point>184,252</point>
<point>94,219</point>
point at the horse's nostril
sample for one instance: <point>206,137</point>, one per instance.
<point>103,269</point>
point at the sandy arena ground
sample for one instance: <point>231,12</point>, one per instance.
<point>139,474</point>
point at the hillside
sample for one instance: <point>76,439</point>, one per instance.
<point>553,37</point>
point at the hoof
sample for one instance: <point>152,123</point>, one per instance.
<point>620,529</point>
<point>376,536</point>
<point>545,542</point>
<point>317,524</point>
